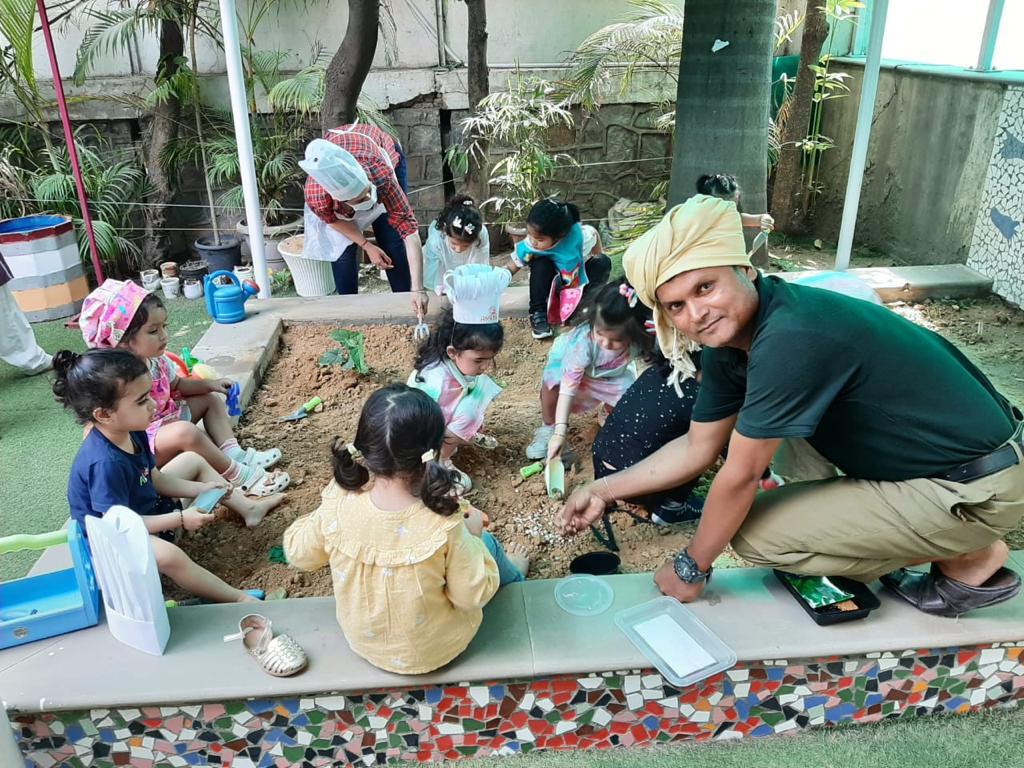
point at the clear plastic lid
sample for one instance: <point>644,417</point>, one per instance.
<point>584,595</point>
<point>676,641</point>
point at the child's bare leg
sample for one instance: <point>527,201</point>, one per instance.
<point>211,410</point>
<point>548,403</point>
<point>191,466</point>
<point>184,436</point>
<point>187,574</point>
<point>451,445</point>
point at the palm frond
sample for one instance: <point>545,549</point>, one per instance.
<point>112,32</point>
<point>17,23</point>
<point>786,25</point>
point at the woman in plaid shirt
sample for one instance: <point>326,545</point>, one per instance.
<point>368,185</point>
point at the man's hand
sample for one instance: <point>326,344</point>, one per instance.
<point>194,518</point>
<point>420,301</point>
<point>581,510</point>
<point>377,256</point>
<point>672,586</point>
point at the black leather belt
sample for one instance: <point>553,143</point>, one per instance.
<point>1001,458</point>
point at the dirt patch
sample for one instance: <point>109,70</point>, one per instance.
<point>990,332</point>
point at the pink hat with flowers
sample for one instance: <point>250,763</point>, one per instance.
<point>108,311</point>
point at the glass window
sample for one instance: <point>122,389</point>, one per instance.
<point>939,31</point>
<point>1009,53</point>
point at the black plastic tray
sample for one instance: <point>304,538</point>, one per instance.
<point>865,599</point>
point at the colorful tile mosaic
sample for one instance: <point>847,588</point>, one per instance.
<point>625,708</point>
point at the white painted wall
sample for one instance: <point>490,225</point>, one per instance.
<point>527,31</point>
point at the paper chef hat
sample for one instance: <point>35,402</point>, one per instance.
<point>475,292</point>
<point>334,169</point>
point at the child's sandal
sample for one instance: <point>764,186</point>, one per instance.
<point>279,656</point>
<point>488,443</point>
<point>256,481</point>
<point>264,459</point>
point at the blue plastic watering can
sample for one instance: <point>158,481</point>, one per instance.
<point>226,303</point>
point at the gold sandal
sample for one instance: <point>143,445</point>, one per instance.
<point>279,656</point>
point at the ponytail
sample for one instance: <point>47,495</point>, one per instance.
<point>348,473</point>
<point>439,488</point>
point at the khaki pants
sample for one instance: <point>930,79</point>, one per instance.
<point>862,529</point>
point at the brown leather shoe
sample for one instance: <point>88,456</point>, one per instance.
<point>937,594</point>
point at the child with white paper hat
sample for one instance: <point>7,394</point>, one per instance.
<point>451,364</point>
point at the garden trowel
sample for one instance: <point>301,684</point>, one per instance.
<point>303,411</point>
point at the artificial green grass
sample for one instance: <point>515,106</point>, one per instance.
<point>989,740</point>
<point>39,439</point>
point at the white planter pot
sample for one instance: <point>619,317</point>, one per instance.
<point>171,287</point>
<point>272,238</point>
<point>243,273</point>
<point>150,279</point>
<point>311,278</point>
<point>193,289</point>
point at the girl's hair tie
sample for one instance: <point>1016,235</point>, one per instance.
<point>354,452</point>
<point>428,456</point>
<point>650,327</point>
<point>629,293</point>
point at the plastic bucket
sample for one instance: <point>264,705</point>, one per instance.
<point>311,278</point>
<point>48,279</point>
<point>171,287</point>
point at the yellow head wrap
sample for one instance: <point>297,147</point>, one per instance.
<point>703,232</point>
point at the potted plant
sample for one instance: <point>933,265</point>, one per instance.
<point>516,123</point>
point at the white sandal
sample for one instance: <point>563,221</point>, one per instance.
<point>279,656</point>
<point>263,459</point>
<point>256,481</point>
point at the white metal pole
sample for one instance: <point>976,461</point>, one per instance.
<point>988,37</point>
<point>243,136</point>
<point>865,112</point>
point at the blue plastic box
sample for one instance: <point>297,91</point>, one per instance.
<point>53,603</point>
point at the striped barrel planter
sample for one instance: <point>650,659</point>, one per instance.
<point>42,253</point>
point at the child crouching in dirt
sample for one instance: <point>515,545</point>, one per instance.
<point>592,364</point>
<point>451,365</point>
<point>121,314</point>
<point>109,389</point>
<point>411,571</point>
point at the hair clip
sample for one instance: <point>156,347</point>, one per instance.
<point>650,327</point>
<point>457,222</point>
<point>428,456</point>
<point>629,293</point>
<point>354,452</point>
<point>468,229</point>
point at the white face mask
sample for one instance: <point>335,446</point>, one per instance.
<point>368,203</point>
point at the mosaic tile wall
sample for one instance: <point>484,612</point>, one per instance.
<point>997,248</point>
<point>598,712</point>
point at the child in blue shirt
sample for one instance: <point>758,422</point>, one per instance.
<point>553,249</point>
<point>109,390</point>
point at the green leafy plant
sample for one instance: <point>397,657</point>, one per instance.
<point>114,189</point>
<point>350,355</point>
<point>515,122</point>
<point>280,280</point>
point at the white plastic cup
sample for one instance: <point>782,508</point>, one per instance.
<point>193,289</point>
<point>171,287</point>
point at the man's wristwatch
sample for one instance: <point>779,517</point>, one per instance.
<point>688,571</point>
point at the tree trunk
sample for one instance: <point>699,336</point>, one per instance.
<point>161,129</point>
<point>723,98</point>
<point>479,87</point>
<point>348,68</point>
<point>787,198</point>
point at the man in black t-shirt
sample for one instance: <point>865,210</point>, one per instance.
<point>930,453</point>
